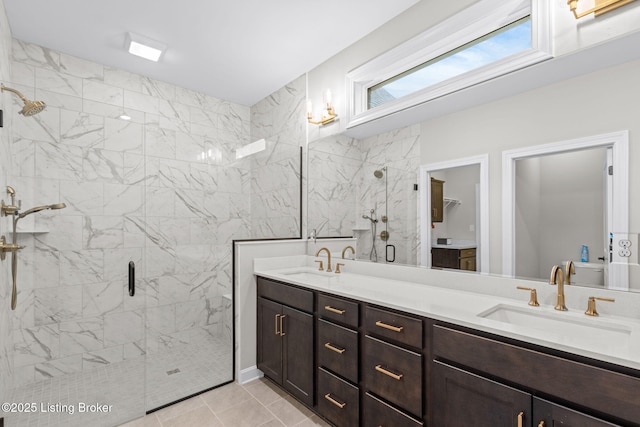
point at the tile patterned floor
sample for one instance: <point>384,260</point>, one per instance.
<point>256,404</point>
<point>170,375</point>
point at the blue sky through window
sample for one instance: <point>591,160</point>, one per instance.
<point>497,45</point>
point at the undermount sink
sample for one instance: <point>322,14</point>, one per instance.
<point>309,275</point>
<point>572,327</point>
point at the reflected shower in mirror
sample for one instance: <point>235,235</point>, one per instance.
<point>347,178</point>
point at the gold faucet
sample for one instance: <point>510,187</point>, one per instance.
<point>557,277</point>
<point>569,269</point>
<point>328,258</point>
<point>344,251</point>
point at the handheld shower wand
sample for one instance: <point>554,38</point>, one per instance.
<point>373,255</point>
<point>14,247</point>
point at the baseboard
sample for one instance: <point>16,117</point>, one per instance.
<point>249,374</point>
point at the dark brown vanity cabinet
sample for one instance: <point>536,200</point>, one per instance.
<point>460,259</point>
<point>285,337</point>
<point>496,383</point>
<point>338,356</point>
<point>359,365</point>
<point>392,361</point>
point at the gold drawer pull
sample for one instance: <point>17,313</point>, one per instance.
<point>335,402</point>
<point>282,316</point>
<point>332,348</point>
<point>334,310</point>
<point>541,424</point>
<point>277,319</point>
<point>398,377</point>
<point>390,327</point>
<point>521,419</point>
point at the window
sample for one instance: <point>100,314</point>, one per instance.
<point>486,40</point>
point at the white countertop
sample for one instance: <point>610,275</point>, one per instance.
<point>429,293</point>
<point>454,246</point>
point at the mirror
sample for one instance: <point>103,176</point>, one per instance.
<point>342,187</point>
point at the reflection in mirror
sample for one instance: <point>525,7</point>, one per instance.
<point>348,178</point>
<point>454,214</point>
<point>569,204</point>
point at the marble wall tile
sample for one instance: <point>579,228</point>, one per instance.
<point>122,328</point>
<point>57,82</point>
<point>123,79</point>
<point>81,68</point>
<point>34,55</point>
<point>55,305</point>
<point>100,92</point>
<point>174,116</point>
<point>160,142</point>
<point>102,298</point>
<point>116,263</point>
<point>54,161</point>
<point>103,165</point>
<point>141,102</point>
<point>81,336</point>
<point>43,127</point>
<point>161,320</point>
<point>81,267</point>
<point>123,199</point>
<point>158,89</point>
<point>100,232</point>
<point>82,129</point>
<point>85,198</point>
<point>34,345</point>
<point>23,153</point>
<point>23,74</point>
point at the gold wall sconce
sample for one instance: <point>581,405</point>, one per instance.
<point>328,113</point>
<point>601,6</point>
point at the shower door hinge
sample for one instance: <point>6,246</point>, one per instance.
<point>611,170</point>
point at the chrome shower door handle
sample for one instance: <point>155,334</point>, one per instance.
<point>132,278</point>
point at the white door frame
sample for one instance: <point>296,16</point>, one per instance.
<point>425,208</point>
<point>619,142</point>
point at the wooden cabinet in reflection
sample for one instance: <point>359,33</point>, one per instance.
<point>460,259</point>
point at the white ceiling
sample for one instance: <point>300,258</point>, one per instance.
<point>238,50</point>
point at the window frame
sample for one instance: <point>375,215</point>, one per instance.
<point>470,24</point>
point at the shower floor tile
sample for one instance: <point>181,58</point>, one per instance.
<point>171,375</point>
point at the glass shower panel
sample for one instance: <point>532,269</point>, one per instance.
<point>78,337</point>
<point>195,205</point>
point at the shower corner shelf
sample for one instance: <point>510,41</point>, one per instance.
<point>34,230</point>
<point>448,201</point>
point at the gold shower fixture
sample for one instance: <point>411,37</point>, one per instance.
<point>601,6</point>
<point>31,108</point>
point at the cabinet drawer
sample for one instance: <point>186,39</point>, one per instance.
<point>338,401</point>
<point>338,309</point>
<point>394,374</point>
<point>466,253</point>
<point>285,294</point>
<point>338,349</point>
<point>601,390</point>
<point>397,327</point>
<point>377,413</point>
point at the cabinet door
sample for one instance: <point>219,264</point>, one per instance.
<point>298,362</point>
<point>437,200</point>
<point>269,339</point>
<point>547,414</point>
<point>462,399</point>
<point>445,258</point>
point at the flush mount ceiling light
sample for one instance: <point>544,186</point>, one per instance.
<point>144,47</point>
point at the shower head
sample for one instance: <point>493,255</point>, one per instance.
<point>31,108</point>
<point>10,190</point>
<point>380,172</point>
<point>41,208</point>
